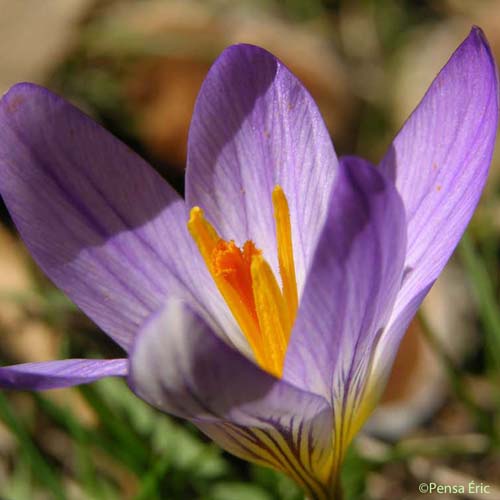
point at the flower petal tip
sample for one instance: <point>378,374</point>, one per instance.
<point>11,99</point>
<point>19,92</point>
<point>480,50</point>
<point>25,103</point>
<point>239,49</point>
<point>477,34</point>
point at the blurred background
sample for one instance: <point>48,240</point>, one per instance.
<point>136,67</point>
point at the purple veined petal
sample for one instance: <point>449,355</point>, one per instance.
<point>350,290</point>
<point>60,373</point>
<point>101,223</point>
<point>179,366</point>
<point>302,449</point>
<point>255,126</point>
<point>439,162</point>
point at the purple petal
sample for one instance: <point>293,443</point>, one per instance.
<point>439,162</point>
<point>302,449</point>
<point>62,373</point>
<point>180,366</point>
<point>103,225</point>
<point>255,126</point>
<point>352,285</point>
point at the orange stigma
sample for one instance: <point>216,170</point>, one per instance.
<point>264,310</point>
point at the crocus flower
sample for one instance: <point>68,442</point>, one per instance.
<point>267,306</point>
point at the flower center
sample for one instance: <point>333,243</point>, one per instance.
<point>264,310</point>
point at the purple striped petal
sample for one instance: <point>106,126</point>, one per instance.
<point>103,225</point>
<point>255,126</point>
<point>352,285</point>
<point>179,366</point>
<point>301,448</point>
<point>61,373</point>
<point>439,162</point>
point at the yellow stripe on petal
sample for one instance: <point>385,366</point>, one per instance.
<point>289,463</point>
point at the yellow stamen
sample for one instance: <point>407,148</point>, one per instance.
<point>270,308</point>
<point>264,312</point>
<point>285,253</point>
<point>226,264</point>
<point>203,233</point>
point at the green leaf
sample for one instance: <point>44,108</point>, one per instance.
<point>166,438</point>
<point>134,451</point>
<point>487,301</point>
<point>238,491</point>
<point>353,475</point>
<point>42,471</point>
<point>279,484</point>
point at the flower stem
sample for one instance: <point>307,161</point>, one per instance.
<point>337,490</point>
